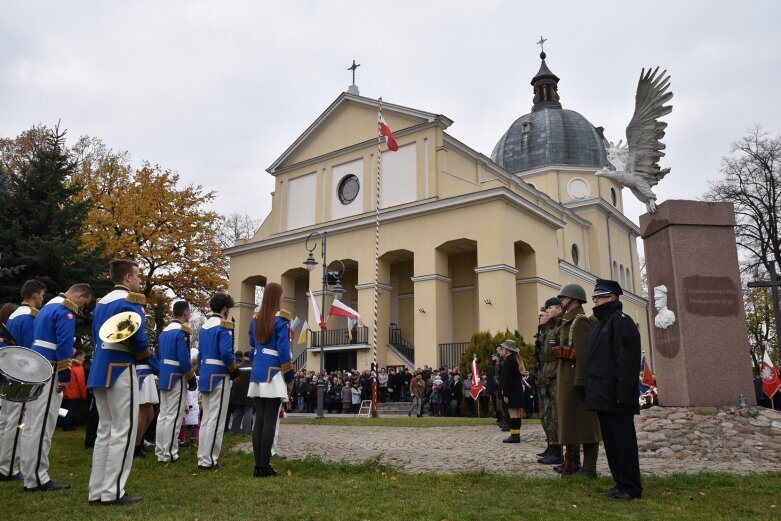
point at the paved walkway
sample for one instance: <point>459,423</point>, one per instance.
<point>456,449</point>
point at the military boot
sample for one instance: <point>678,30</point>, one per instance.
<point>515,431</point>
<point>545,452</point>
<point>553,457</point>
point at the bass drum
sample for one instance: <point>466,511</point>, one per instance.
<point>23,374</point>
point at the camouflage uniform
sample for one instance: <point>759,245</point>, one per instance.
<point>546,382</point>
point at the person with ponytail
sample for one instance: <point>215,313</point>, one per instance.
<point>511,384</point>
<point>272,373</point>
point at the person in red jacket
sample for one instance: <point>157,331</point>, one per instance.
<point>75,395</point>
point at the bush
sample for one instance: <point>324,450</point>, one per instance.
<point>483,344</point>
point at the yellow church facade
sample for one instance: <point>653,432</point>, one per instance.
<point>465,244</point>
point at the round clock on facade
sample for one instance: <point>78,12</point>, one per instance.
<point>349,187</point>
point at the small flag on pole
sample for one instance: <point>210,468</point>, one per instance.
<point>477,386</point>
<point>342,310</point>
<point>386,132</point>
<point>293,327</point>
<point>304,336</point>
<point>770,380</point>
<point>316,310</point>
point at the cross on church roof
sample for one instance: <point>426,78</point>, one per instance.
<point>354,66</point>
<point>541,43</point>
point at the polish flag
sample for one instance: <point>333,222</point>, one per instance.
<point>477,386</point>
<point>342,310</point>
<point>770,380</point>
<point>316,310</point>
<point>385,131</point>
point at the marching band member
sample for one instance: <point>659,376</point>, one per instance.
<point>175,369</point>
<point>272,374</point>
<point>20,325</point>
<point>217,369</point>
<point>114,384</point>
<point>53,335</point>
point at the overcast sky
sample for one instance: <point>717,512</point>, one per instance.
<point>217,90</point>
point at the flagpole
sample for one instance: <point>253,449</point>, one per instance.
<point>376,262</point>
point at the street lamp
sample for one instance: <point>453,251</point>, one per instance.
<point>332,277</point>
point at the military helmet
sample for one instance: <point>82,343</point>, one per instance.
<point>575,291</point>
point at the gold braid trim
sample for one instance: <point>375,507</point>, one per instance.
<point>285,314</point>
<point>33,311</point>
<point>136,298</point>
<point>64,365</point>
<point>232,367</point>
<point>286,367</point>
<point>227,324</point>
<point>187,329</point>
<point>189,374</point>
<point>70,305</point>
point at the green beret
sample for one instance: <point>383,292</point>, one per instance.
<point>553,301</point>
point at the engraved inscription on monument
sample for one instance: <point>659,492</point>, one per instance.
<point>711,296</point>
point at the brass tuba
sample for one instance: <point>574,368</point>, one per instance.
<point>120,327</point>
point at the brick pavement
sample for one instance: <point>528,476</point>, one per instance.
<point>467,448</point>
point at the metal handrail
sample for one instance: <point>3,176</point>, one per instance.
<point>450,353</point>
<point>339,337</point>
<point>404,346</point>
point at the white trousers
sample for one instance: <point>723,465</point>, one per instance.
<point>40,421</point>
<point>10,434</point>
<point>215,410</point>
<point>112,457</point>
<point>169,420</point>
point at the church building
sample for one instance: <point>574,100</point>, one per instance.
<point>468,242</point>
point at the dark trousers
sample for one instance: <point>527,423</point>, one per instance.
<point>618,435</point>
<point>91,432</point>
<point>266,417</point>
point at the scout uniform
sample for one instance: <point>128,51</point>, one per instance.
<point>176,375</point>
<point>20,325</point>
<point>216,367</point>
<point>114,383</point>
<point>53,334</point>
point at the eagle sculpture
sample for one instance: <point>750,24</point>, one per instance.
<point>636,165</point>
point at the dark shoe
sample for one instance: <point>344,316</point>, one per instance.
<point>138,452</point>
<point>583,473</point>
<point>93,501</point>
<point>14,477</point>
<point>49,486</point>
<point>506,429</point>
<point>420,415</point>
<point>210,467</point>
<point>544,453</point>
<point>609,492</point>
<point>183,444</point>
<point>264,472</point>
<point>124,500</point>
<point>551,459</point>
<point>620,495</point>
<point>559,468</point>
<point>513,438</point>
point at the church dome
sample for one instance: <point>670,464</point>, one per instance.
<point>549,135</point>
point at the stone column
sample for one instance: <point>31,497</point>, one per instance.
<point>702,359</point>
<point>432,306</point>
<point>366,309</point>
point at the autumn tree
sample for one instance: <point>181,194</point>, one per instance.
<point>751,180</point>
<point>145,214</point>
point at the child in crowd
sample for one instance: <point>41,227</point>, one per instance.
<point>192,420</point>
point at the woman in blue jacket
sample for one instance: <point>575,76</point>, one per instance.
<point>272,373</point>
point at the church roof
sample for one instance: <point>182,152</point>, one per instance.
<point>347,98</point>
<point>549,135</point>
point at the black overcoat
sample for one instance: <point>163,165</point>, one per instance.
<point>511,383</point>
<point>613,362</point>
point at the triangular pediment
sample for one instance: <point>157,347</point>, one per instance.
<point>349,120</point>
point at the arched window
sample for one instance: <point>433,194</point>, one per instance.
<point>629,282</point>
<point>615,271</point>
<point>613,196</point>
<point>622,276</point>
<point>575,254</point>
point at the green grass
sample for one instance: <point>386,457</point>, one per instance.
<point>311,489</point>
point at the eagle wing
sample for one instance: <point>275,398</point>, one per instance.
<point>645,131</point>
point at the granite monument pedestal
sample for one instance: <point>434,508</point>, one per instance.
<point>703,358</point>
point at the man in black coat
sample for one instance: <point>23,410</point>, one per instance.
<point>611,387</point>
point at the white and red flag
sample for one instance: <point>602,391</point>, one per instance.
<point>648,376</point>
<point>477,385</point>
<point>386,132</point>
<point>771,383</point>
<point>316,311</point>
<point>342,310</point>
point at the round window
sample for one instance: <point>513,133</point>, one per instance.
<point>349,187</point>
<point>575,255</point>
<point>578,188</point>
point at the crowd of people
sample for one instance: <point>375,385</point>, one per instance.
<point>584,379</point>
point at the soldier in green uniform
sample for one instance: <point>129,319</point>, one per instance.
<point>546,381</point>
<point>577,426</point>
